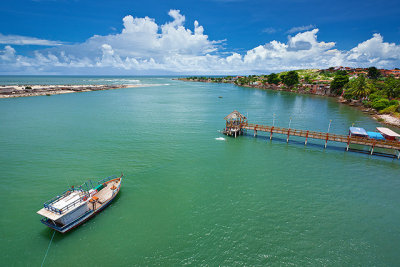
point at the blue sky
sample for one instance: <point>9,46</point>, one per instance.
<point>233,36</point>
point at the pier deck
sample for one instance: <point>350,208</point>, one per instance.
<point>235,128</point>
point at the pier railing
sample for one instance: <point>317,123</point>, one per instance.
<point>390,144</point>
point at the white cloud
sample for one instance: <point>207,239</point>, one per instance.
<point>270,30</point>
<point>24,40</point>
<point>145,47</point>
<point>301,28</point>
<point>8,54</point>
<point>374,50</point>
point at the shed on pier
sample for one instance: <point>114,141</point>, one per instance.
<point>234,122</point>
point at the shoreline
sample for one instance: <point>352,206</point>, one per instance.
<point>11,91</point>
<point>380,118</point>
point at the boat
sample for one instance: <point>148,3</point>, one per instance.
<point>79,204</point>
<point>388,134</point>
<point>375,135</point>
<point>357,131</point>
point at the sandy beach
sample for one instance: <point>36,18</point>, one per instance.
<point>7,91</point>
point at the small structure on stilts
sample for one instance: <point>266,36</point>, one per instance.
<point>234,124</point>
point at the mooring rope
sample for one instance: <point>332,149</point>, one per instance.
<point>48,248</point>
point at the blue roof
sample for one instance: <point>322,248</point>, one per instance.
<point>358,131</point>
<point>375,135</point>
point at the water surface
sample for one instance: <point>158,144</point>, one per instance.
<point>191,195</point>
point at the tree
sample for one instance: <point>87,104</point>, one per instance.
<point>291,78</point>
<point>373,73</point>
<point>273,78</point>
<point>341,72</point>
<point>307,79</point>
<point>360,87</point>
<point>338,83</point>
<point>392,87</point>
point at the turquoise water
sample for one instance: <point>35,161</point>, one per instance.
<point>188,198</point>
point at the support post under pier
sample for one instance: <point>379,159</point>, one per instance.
<point>372,148</point>
<point>326,140</point>
<point>348,143</point>
<point>305,143</point>
<point>270,137</point>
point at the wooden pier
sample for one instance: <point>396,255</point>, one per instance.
<point>236,123</point>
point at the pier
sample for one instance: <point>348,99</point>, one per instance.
<point>236,123</point>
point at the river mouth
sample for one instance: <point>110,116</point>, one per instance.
<point>191,194</point>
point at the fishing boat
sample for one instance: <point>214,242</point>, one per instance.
<point>357,131</point>
<point>78,204</point>
<point>388,134</point>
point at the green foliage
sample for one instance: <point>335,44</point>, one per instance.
<point>273,78</point>
<point>307,79</point>
<point>326,74</point>
<point>394,102</point>
<point>380,103</point>
<point>367,103</point>
<point>359,87</point>
<point>348,95</point>
<point>341,73</point>
<point>291,78</point>
<point>338,83</point>
<point>389,110</point>
<point>373,73</point>
<point>376,95</point>
<point>28,87</point>
<point>392,87</point>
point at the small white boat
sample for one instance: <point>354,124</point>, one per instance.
<point>78,204</point>
<point>388,134</point>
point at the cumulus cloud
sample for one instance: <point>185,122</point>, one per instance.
<point>145,47</point>
<point>25,40</point>
<point>8,53</point>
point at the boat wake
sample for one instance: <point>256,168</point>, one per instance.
<point>220,139</point>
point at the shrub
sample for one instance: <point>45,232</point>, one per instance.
<point>393,102</point>
<point>380,104</point>
<point>374,96</point>
<point>367,103</point>
<point>348,95</point>
<point>28,87</point>
<point>390,109</point>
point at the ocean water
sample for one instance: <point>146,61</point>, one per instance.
<point>192,196</point>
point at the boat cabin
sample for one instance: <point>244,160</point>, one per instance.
<point>357,131</point>
<point>388,134</point>
<point>66,208</point>
<point>375,135</point>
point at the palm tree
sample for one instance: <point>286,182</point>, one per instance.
<point>360,87</point>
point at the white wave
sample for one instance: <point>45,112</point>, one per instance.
<point>115,80</point>
<point>220,139</point>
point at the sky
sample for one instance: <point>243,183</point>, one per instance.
<point>202,37</point>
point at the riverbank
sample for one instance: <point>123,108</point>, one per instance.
<point>387,119</point>
<point>8,91</point>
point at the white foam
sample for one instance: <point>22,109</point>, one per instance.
<point>220,139</point>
